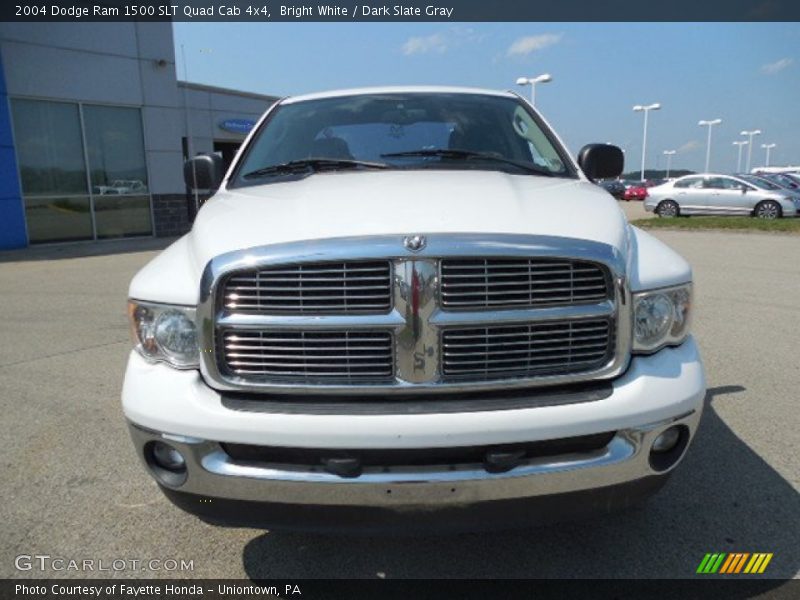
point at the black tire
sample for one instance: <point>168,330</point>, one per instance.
<point>768,209</point>
<point>668,209</point>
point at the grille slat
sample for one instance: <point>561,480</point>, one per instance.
<point>519,283</point>
<point>352,287</point>
<point>309,356</point>
<point>527,350</point>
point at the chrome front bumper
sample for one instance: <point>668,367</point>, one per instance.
<point>211,473</point>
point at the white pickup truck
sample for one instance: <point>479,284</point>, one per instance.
<point>410,308</point>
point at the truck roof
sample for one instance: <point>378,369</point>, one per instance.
<point>406,89</point>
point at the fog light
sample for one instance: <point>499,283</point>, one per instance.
<point>667,440</point>
<point>168,458</point>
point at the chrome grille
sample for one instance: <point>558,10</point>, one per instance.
<point>309,356</point>
<point>474,283</point>
<point>468,312</point>
<point>527,350</point>
<point>356,287</point>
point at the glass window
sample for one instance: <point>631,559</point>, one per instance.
<point>759,182</point>
<point>715,183</point>
<point>370,127</point>
<point>115,148</point>
<point>724,183</point>
<point>50,150</point>
<point>49,147</point>
<point>689,182</point>
<point>122,216</point>
<point>54,219</point>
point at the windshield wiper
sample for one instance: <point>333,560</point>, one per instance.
<point>314,165</point>
<point>456,154</point>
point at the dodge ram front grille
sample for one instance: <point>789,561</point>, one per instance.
<point>374,316</point>
<point>526,350</point>
<point>312,288</point>
<point>309,356</point>
<point>488,283</point>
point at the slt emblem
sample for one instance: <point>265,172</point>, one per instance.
<point>414,243</point>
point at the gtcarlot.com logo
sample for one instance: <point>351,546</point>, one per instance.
<point>732,563</point>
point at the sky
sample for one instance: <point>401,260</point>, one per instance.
<point>747,74</point>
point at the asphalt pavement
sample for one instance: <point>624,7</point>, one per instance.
<point>73,488</point>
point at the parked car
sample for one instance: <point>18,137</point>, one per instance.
<point>122,186</point>
<point>447,326</point>
<point>635,192</point>
<point>785,180</point>
<point>712,194</point>
<point>767,184</point>
<point>615,187</point>
<point>653,182</point>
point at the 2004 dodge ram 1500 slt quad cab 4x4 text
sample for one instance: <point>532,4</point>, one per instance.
<point>410,308</point>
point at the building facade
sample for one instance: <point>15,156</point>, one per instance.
<point>94,129</point>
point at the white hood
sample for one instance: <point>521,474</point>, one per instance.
<point>342,204</point>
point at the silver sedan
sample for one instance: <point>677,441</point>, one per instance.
<point>710,194</point>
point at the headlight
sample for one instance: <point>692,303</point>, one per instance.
<point>163,332</point>
<point>661,317</point>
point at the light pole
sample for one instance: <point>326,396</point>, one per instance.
<point>740,143</point>
<point>669,154</point>
<point>646,109</point>
<point>750,135</point>
<point>709,124</point>
<point>768,147</point>
<point>532,81</point>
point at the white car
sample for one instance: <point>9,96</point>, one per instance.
<point>712,194</point>
<point>410,307</point>
<point>122,186</point>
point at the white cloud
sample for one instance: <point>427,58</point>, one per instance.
<point>443,41</point>
<point>525,45</point>
<point>689,146</point>
<point>777,66</point>
<point>423,44</point>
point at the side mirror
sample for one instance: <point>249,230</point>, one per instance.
<point>203,172</point>
<point>601,161</point>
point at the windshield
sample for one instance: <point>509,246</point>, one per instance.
<point>402,131</point>
<point>761,183</point>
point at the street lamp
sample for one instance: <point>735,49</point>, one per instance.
<point>646,109</point>
<point>709,124</point>
<point>740,143</point>
<point>532,81</point>
<point>750,135</point>
<point>768,147</point>
<point>669,154</point>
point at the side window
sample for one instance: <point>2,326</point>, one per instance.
<point>690,182</point>
<point>732,184</point>
<point>715,183</point>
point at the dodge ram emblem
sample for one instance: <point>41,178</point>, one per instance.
<point>414,243</point>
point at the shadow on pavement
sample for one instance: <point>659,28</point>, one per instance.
<point>722,498</point>
<point>84,249</point>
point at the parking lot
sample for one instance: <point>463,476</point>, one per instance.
<point>73,488</point>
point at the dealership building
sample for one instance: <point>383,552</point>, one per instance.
<point>94,129</point>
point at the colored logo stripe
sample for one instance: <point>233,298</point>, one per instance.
<point>723,563</point>
<point>711,563</point>
<point>735,562</point>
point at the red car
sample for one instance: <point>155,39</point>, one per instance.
<point>635,192</point>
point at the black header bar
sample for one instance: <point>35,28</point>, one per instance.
<point>400,10</point>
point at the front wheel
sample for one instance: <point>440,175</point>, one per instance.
<point>769,209</point>
<point>667,208</point>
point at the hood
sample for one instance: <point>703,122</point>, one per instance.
<point>343,204</point>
